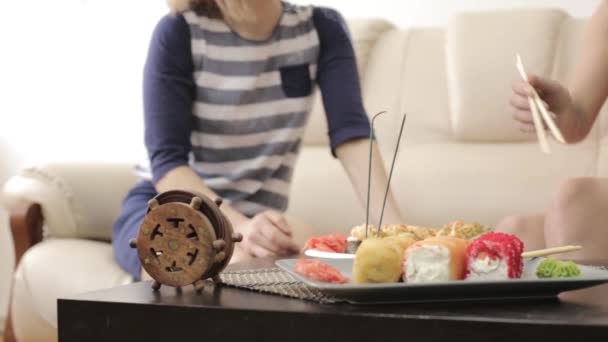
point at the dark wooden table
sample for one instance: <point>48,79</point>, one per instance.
<point>136,313</point>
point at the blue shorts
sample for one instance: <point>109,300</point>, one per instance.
<point>126,227</point>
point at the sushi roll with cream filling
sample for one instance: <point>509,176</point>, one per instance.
<point>436,259</point>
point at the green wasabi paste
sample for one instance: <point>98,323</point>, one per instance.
<point>545,269</point>
<point>567,269</point>
<point>551,268</point>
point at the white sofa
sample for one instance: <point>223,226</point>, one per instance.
<point>9,165</point>
<point>462,157</point>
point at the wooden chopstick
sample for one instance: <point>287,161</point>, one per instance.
<point>557,134</point>
<point>550,251</point>
<point>538,125</point>
<point>536,106</point>
<point>540,128</point>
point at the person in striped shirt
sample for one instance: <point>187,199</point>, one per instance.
<point>227,92</point>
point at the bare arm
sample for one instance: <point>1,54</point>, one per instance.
<point>353,156</point>
<point>184,178</point>
<point>268,233</point>
<point>576,108</point>
<point>589,85</point>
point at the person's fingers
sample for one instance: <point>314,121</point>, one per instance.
<point>544,85</point>
<point>259,237</point>
<point>523,117</point>
<point>522,88</point>
<point>259,251</point>
<point>278,239</point>
<point>527,128</point>
<point>279,220</point>
<point>520,102</point>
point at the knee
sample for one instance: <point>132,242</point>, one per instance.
<point>568,214</point>
<point>572,195</point>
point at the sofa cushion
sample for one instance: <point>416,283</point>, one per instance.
<point>56,268</point>
<point>439,183</point>
<point>481,50</point>
<point>364,34</point>
<point>406,74</point>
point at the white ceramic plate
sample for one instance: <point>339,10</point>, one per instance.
<point>528,287</point>
<point>313,253</point>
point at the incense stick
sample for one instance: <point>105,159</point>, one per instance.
<point>390,175</point>
<point>369,171</point>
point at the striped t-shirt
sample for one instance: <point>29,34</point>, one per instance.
<point>235,109</point>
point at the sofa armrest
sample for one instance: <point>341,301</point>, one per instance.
<point>26,227</point>
<point>26,222</point>
<point>77,200</point>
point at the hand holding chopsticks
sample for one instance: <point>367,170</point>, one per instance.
<point>540,114</point>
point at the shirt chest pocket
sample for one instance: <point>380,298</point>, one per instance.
<point>295,80</point>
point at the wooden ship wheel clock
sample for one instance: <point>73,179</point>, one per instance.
<point>184,239</point>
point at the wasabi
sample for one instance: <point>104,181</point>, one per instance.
<point>551,268</point>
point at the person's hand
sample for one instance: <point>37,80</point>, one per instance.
<point>267,234</point>
<point>555,96</point>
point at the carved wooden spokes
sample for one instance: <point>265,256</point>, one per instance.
<point>177,245</point>
<point>185,239</point>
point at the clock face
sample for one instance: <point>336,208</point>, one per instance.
<point>175,244</point>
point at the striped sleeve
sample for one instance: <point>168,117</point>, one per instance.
<point>168,96</point>
<point>338,79</point>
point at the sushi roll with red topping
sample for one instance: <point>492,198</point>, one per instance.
<point>495,256</point>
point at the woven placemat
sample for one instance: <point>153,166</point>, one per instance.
<point>275,281</point>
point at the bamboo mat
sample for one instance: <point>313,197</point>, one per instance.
<point>275,281</point>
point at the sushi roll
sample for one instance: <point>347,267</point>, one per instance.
<point>415,232</point>
<point>436,259</point>
<point>460,229</point>
<point>495,256</point>
<point>379,260</point>
<point>359,232</point>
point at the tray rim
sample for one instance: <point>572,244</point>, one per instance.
<point>281,263</point>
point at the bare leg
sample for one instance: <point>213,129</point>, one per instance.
<point>578,216</point>
<point>529,228</point>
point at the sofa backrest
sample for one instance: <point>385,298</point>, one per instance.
<point>455,81</point>
<point>365,34</point>
<point>462,156</point>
